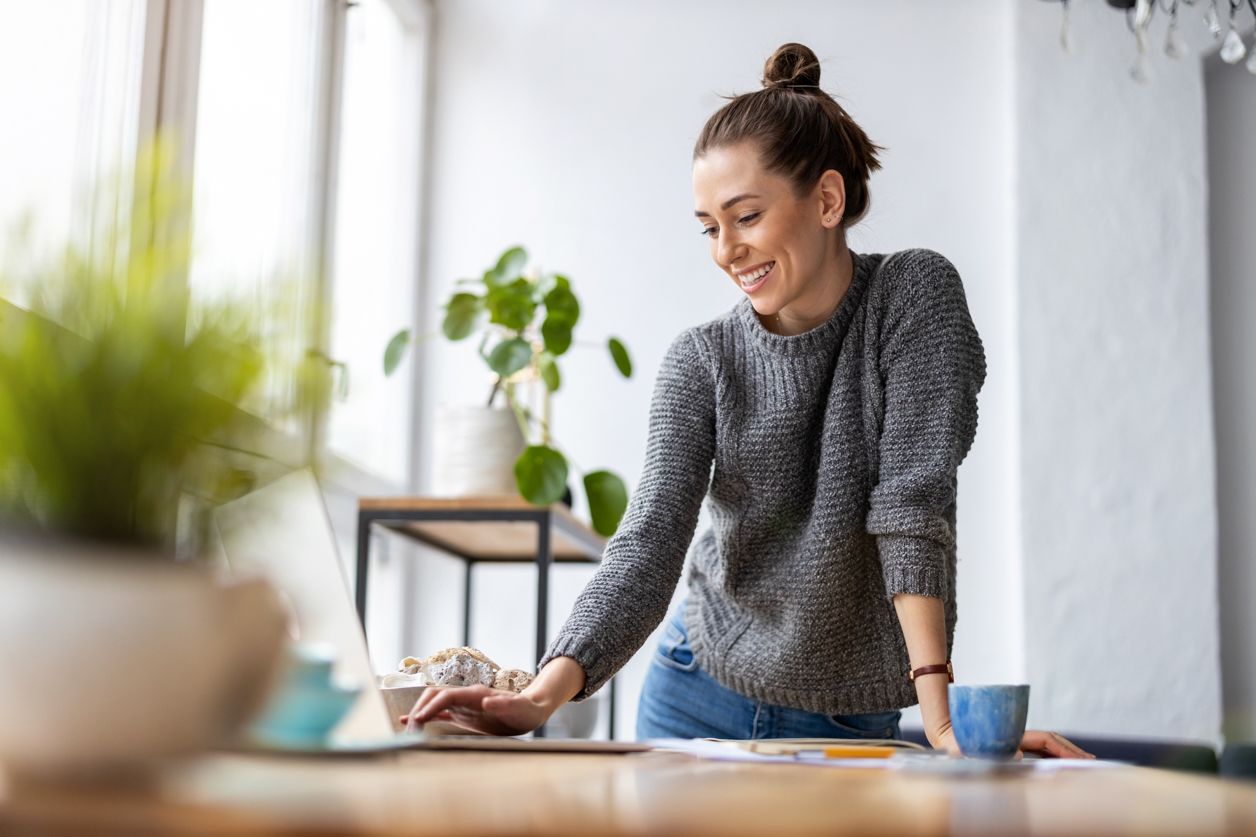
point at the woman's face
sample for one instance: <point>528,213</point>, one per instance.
<point>771,242</point>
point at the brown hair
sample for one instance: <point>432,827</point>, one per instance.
<point>801,131</point>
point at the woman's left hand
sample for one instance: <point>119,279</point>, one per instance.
<point>944,739</point>
<point>1038,742</point>
<point>1050,745</point>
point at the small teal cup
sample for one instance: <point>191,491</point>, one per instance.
<point>307,705</point>
<point>988,721</point>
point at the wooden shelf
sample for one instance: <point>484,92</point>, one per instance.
<point>491,541</point>
<point>492,529</point>
<point>573,541</point>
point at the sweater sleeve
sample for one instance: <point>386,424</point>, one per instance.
<point>932,367</point>
<point>628,596</point>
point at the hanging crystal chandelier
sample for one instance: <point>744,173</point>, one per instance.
<point>1220,17</point>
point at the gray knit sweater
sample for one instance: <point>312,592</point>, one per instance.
<point>827,460</point>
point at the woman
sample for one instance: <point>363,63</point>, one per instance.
<point>823,418</point>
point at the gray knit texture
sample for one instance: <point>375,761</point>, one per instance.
<point>828,464</point>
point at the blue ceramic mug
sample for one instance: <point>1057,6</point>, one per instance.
<point>988,721</point>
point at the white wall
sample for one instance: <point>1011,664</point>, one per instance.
<point>1231,97</point>
<point>568,126</point>
<point>1117,484</point>
<point>1074,202</point>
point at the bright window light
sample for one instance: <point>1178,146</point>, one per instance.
<point>254,208</point>
<point>69,89</point>
<point>376,230</point>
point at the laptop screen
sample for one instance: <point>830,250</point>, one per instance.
<point>282,531</point>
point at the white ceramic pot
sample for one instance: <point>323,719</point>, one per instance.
<point>475,451</point>
<point>109,663</point>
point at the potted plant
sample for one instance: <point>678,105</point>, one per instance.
<point>525,321</point>
<point>120,409</point>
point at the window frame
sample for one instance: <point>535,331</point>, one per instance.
<point>168,103</point>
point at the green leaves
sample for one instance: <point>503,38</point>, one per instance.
<point>527,322</point>
<point>508,268</point>
<point>396,350</point>
<point>560,302</point>
<point>541,474</point>
<point>562,312</point>
<point>549,371</point>
<point>557,337</point>
<point>619,354</point>
<point>462,315</point>
<point>509,356</point>
<point>608,499</point>
<point>511,305</point>
<point>123,403</point>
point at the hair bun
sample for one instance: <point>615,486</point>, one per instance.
<point>792,65</point>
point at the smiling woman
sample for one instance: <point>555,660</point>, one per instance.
<point>763,165</point>
<point>823,419</point>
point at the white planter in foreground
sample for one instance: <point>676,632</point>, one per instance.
<point>109,663</point>
<point>475,451</point>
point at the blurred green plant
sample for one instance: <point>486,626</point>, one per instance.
<point>526,322</point>
<point>119,398</point>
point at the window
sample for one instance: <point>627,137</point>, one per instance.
<point>376,230</point>
<point>71,120</point>
<point>300,126</point>
<point>257,144</point>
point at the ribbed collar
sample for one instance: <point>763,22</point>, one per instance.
<point>821,337</point>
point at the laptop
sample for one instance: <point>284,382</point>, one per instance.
<point>283,532</point>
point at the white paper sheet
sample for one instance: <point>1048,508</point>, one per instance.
<point>915,762</point>
<point>723,751</point>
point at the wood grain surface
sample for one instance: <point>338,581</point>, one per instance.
<point>652,793</point>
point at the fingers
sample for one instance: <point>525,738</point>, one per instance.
<point>1052,744</point>
<point>455,696</point>
<point>410,725</point>
<point>444,699</point>
<point>478,709</point>
<point>1069,750</point>
<point>407,721</point>
<point>489,704</point>
<point>945,741</point>
<point>427,696</point>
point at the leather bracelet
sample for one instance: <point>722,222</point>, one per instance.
<point>937,669</point>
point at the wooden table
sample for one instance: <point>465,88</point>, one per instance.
<point>453,793</point>
<point>484,530</point>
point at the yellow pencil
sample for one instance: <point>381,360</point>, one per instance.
<point>850,752</point>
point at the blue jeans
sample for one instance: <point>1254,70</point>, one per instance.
<point>680,700</point>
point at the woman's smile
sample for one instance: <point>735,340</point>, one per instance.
<point>756,277</point>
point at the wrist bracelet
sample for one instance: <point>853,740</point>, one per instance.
<point>935,669</point>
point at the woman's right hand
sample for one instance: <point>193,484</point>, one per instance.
<point>495,712</point>
<point>478,709</point>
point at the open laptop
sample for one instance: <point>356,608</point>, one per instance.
<point>283,531</point>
